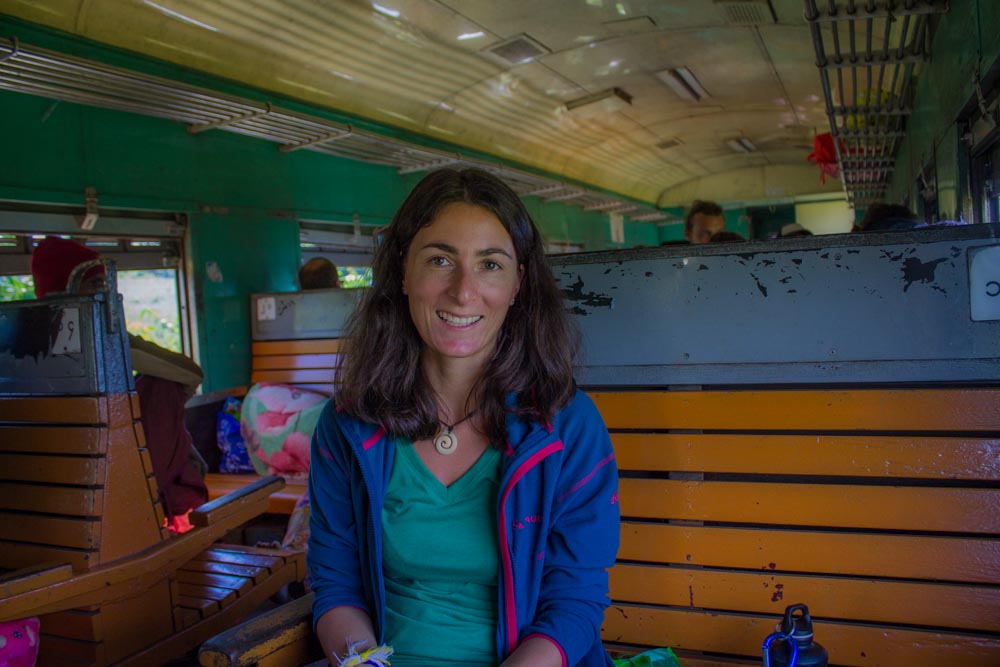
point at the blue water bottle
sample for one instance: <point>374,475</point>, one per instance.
<point>791,644</point>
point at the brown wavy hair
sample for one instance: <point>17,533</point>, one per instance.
<point>381,379</point>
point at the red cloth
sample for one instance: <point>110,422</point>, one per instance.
<point>161,404</point>
<point>54,259</point>
<point>825,156</point>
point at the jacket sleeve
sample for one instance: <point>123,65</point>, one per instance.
<point>151,359</point>
<point>583,538</point>
<point>333,556</point>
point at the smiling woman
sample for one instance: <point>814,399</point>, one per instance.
<point>458,464</point>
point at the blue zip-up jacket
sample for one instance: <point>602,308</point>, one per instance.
<point>557,515</point>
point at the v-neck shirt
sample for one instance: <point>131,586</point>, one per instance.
<point>440,559</point>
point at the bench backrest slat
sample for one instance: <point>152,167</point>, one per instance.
<point>877,507</point>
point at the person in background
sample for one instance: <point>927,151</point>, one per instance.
<point>882,217</point>
<point>318,273</point>
<point>793,230</point>
<point>464,492</point>
<point>164,382</point>
<point>703,220</point>
<point>725,236</point>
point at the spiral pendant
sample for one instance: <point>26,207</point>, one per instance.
<point>446,443</point>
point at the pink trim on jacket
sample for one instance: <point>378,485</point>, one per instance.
<point>576,487</point>
<point>510,611</point>
<point>375,437</point>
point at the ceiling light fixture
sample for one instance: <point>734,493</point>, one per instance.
<point>683,83</point>
<point>470,35</point>
<point>610,99</point>
<point>741,145</point>
<point>394,13</point>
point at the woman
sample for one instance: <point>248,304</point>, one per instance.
<point>464,493</point>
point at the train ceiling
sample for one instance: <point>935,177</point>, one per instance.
<point>658,101</point>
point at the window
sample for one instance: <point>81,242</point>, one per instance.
<point>149,280</point>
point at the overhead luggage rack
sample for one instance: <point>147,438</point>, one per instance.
<point>36,71</point>
<point>868,52</point>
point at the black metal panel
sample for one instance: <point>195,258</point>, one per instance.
<point>858,308</point>
<point>63,346</point>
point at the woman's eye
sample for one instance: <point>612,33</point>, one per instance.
<point>490,265</point>
<point>438,260</point>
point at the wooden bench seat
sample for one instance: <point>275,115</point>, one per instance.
<point>876,507</point>
<point>82,537</point>
<point>281,502</point>
<point>304,363</point>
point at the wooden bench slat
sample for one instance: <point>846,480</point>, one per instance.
<point>76,501</point>
<point>282,501</point>
<point>285,347</point>
<point>81,440</point>
<point>79,533</point>
<point>942,558</point>
<point>33,577</point>
<point>203,606</point>
<point>290,361</point>
<point>866,600</point>
<point>17,555</point>
<point>909,410</point>
<point>53,650</point>
<point>834,505</point>
<point>75,624</point>
<point>256,574</point>
<point>52,410</point>
<point>219,555</point>
<point>82,471</point>
<point>223,596</point>
<point>858,456</point>
<point>234,583</point>
<point>293,376</point>
<point>853,645</point>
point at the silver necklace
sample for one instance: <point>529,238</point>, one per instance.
<point>446,442</point>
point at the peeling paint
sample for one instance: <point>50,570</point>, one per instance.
<point>760,286</point>
<point>594,299</point>
<point>916,271</point>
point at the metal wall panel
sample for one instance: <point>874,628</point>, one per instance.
<point>63,346</point>
<point>301,315</point>
<point>844,309</point>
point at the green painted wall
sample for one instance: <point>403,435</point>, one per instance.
<point>241,194</point>
<point>965,44</point>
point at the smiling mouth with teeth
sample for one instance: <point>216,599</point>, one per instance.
<point>458,321</point>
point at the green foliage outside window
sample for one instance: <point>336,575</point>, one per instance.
<point>16,288</point>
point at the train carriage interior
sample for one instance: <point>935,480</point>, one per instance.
<point>803,399</point>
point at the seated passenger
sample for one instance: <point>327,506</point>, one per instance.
<point>725,236</point>
<point>793,230</point>
<point>882,217</point>
<point>164,382</point>
<point>703,219</point>
<point>319,273</point>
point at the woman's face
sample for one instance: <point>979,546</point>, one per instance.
<point>461,274</point>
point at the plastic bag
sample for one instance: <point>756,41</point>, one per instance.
<point>277,424</point>
<point>235,458</point>
<point>657,657</point>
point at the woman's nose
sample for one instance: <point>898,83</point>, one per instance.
<point>462,284</point>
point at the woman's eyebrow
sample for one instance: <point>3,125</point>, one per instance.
<point>485,252</point>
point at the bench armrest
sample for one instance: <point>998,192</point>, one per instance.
<point>231,503</point>
<point>282,636</point>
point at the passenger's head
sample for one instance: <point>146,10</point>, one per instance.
<point>726,237</point>
<point>882,217</point>
<point>793,230</point>
<point>318,273</point>
<point>704,219</point>
<point>53,261</point>
<point>460,273</point>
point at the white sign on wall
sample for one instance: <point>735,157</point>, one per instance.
<point>617,221</point>
<point>984,283</point>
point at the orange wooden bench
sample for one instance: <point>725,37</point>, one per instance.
<point>82,542</point>
<point>876,507</point>
<point>303,363</point>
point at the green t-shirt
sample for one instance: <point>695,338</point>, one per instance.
<point>441,561</point>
